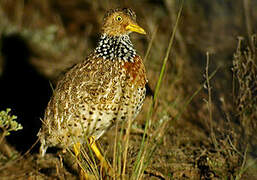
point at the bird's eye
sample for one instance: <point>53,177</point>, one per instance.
<point>119,18</point>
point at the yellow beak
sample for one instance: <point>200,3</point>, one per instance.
<point>135,28</point>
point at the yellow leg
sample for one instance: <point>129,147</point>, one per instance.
<point>76,148</point>
<point>98,154</point>
<point>83,174</point>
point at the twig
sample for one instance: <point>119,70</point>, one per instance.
<point>232,145</point>
<point>209,102</point>
<point>243,165</point>
<point>247,11</point>
<point>150,43</point>
<point>125,153</point>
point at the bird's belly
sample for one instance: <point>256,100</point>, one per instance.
<point>97,118</point>
<point>82,120</point>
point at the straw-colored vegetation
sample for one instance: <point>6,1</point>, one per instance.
<point>201,62</point>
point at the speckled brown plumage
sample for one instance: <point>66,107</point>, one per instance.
<point>104,88</point>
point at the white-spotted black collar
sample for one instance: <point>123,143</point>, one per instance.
<point>115,48</point>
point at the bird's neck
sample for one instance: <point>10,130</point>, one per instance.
<point>115,48</point>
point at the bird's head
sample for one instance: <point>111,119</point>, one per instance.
<point>121,22</point>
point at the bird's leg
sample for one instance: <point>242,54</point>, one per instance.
<point>103,162</point>
<point>76,148</point>
<point>83,174</point>
<point>98,154</point>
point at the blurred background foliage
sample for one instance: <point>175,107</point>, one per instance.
<point>40,40</point>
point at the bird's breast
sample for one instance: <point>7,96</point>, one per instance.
<point>135,72</point>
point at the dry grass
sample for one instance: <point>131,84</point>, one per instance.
<point>202,123</point>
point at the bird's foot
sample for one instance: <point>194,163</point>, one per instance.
<point>104,165</point>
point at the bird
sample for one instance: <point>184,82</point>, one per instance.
<point>107,86</point>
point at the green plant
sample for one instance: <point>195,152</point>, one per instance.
<point>8,123</point>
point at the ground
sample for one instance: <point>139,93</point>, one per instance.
<point>203,121</point>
